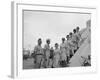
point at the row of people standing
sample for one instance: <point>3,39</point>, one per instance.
<point>48,57</point>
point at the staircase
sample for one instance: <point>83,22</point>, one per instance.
<point>83,51</point>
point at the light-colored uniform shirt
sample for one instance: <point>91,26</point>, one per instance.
<point>47,54</point>
<point>67,46</point>
<point>47,50</point>
<point>39,56</point>
<point>75,40</point>
<point>38,50</point>
<point>57,53</point>
<point>71,47</point>
<point>63,51</point>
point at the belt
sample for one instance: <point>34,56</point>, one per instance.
<point>39,54</point>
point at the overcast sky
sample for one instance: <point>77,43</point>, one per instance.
<point>51,25</point>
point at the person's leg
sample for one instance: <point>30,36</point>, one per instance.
<point>46,61</point>
<point>40,61</point>
<point>75,51</point>
<point>37,61</point>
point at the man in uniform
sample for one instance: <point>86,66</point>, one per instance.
<point>78,38</point>
<point>70,43</point>
<point>67,48</point>
<point>38,50</point>
<point>70,35</point>
<point>63,53</point>
<point>47,52</point>
<point>77,29</point>
<point>74,40</point>
<point>51,57</point>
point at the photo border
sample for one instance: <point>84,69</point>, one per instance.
<point>17,70</point>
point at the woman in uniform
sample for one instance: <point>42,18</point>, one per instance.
<point>56,56</point>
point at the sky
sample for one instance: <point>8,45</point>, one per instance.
<point>52,25</point>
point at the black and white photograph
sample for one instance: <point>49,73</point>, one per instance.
<point>56,39</point>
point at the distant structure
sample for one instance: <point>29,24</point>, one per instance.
<point>88,23</point>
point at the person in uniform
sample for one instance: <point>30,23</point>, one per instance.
<point>70,44</point>
<point>77,29</point>
<point>47,52</point>
<point>74,40</point>
<point>78,36</point>
<point>70,35</point>
<point>67,48</point>
<point>38,50</point>
<point>51,57</point>
<point>56,56</point>
<point>84,50</point>
<point>63,56</point>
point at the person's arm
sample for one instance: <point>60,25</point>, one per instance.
<point>60,47</point>
<point>35,49</point>
<point>44,49</point>
<point>71,44</point>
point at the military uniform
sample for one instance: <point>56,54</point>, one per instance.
<point>51,58</point>
<point>39,56</point>
<point>56,60</point>
<point>75,41</point>
<point>47,55</point>
<point>63,51</point>
<point>71,48</point>
<point>68,50</point>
